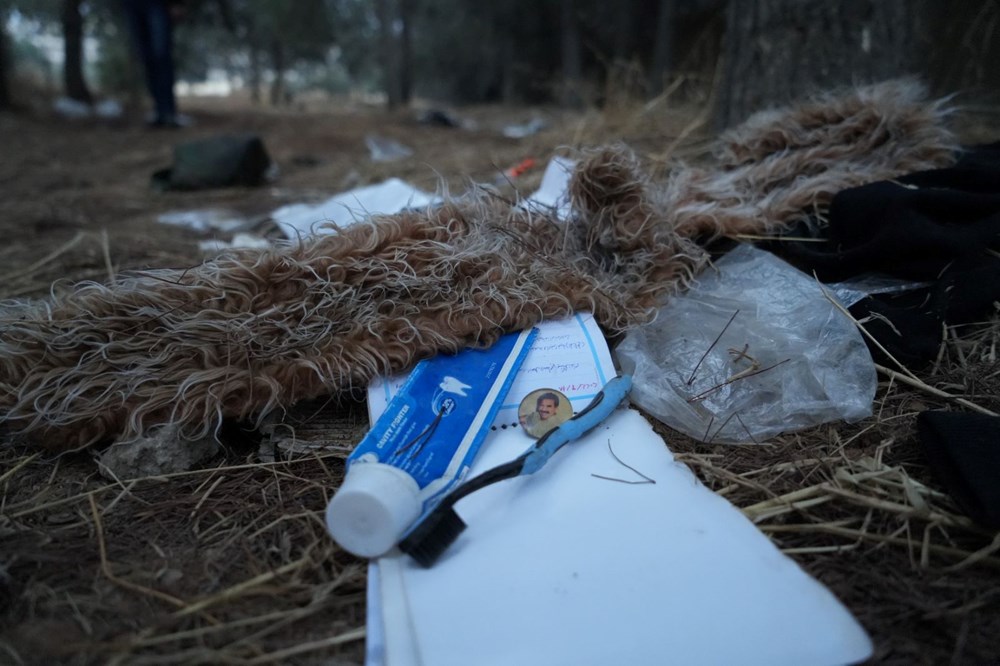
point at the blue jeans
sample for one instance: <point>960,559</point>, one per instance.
<point>152,31</point>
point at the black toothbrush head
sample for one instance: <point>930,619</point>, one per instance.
<point>441,527</point>
<point>433,535</point>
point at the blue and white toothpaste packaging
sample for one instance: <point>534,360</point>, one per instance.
<point>423,444</point>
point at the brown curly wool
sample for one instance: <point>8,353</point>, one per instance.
<point>780,165</point>
<point>249,332</point>
<point>254,331</point>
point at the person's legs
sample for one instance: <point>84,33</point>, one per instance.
<point>162,60</point>
<point>135,18</point>
<point>152,32</point>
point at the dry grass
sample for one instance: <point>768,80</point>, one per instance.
<point>857,506</point>
<point>232,564</point>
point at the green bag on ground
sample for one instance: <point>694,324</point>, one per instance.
<point>219,161</point>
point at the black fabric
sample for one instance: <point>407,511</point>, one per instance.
<point>910,325</point>
<point>937,227</point>
<point>964,451</point>
<point>913,227</point>
<point>933,226</point>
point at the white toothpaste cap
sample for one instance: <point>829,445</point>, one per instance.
<point>373,508</point>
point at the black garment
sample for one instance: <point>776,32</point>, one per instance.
<point>964,451</point>
<point>939,227</point>
<point>913,227</point>
<point>933,226</point>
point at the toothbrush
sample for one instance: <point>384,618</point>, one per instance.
<point>430,537</point>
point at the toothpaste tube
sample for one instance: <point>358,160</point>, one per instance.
<point>422,445</point>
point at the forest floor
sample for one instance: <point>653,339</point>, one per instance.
<point>231,564</point>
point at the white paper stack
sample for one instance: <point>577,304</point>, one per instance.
<point>563,567</point>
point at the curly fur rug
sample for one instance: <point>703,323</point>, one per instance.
<point>254,331</point>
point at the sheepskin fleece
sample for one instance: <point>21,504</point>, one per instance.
<point>251,332</point>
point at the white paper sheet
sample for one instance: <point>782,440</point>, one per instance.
<point>553,190</point>
<point>570,356</point>
<point>394,195</point>
<point>204,219</point>
<point>347,208</point>
<point>565,568</point>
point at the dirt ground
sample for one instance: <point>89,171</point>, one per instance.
<point>231,564</point>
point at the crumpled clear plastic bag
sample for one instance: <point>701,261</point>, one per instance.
<point>785,357</point>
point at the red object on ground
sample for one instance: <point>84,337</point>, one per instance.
<point>519,169</point>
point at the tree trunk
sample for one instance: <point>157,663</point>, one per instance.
<point>5,64</point>
<point>278,66</point>
<point>384,11</point>
<point>73,80</point>
<point>623,28</point>
<point>572,55</point>
<point>778,50</point>
<point>969,30</point>
<point>663,47</point>
<point>406,51</point>
<point>508,79</point>
<point>255,73</point>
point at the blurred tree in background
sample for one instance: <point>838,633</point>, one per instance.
<point>741,54</point>
<point>775,50</point>
<point>5,66</point>
<point>72,25</point>
<point>287,32</point>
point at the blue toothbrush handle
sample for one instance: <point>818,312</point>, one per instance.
<point>600,408</point>
<point>436,531</point>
